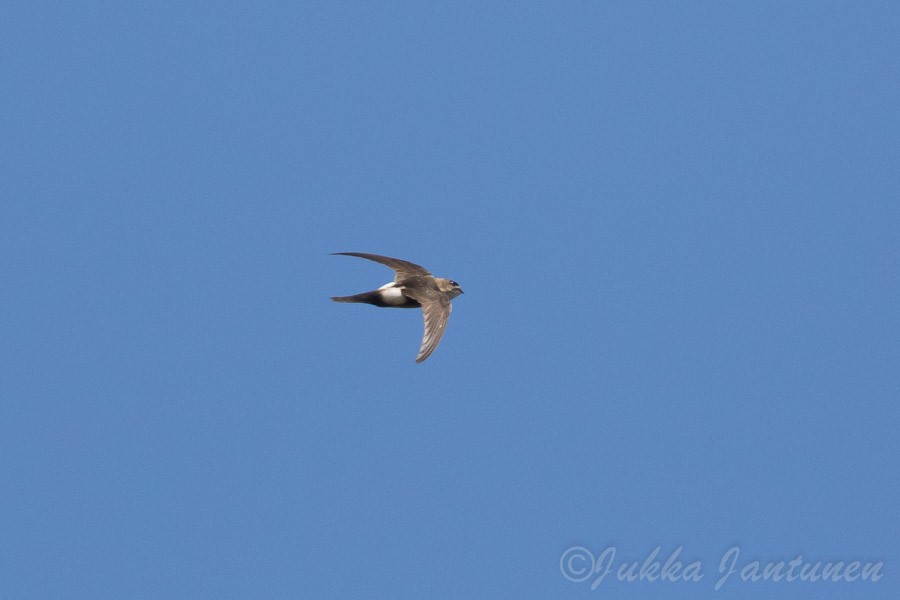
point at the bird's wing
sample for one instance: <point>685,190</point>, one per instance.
<point>403,269</point>
<point>436,309</point>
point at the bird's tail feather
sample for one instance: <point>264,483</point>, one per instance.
<point>365,297</point>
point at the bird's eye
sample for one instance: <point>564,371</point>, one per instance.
<point>453,283</point>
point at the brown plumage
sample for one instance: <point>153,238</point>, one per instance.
<point>413,287</point>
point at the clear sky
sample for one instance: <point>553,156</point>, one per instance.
<point>676,225</point>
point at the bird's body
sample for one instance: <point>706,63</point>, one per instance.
<point>387,296</point>
<point>413,287</point>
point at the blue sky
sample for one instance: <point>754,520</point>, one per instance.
<point>676,227</point>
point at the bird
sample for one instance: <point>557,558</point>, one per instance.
<point>413,287</point>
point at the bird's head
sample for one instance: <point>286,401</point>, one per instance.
<point>449,287</point>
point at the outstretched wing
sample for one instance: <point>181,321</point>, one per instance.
<point>436,309</point>
<point>403,269</point>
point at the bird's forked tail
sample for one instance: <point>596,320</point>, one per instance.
<point>366,297</point>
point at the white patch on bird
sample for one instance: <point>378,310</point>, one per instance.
<point>391,294</point>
